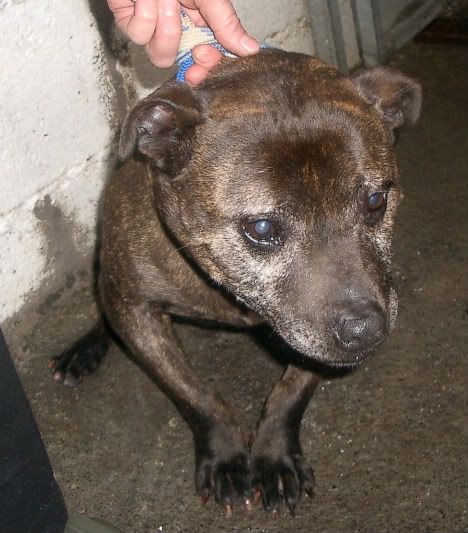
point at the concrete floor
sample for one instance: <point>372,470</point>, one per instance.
<point>388,443</point>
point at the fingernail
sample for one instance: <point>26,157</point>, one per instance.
<point>249,44</point>
<point>164,63</point>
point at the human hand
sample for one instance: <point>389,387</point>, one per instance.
<point>156,24</point>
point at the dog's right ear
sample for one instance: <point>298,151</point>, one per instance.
<point>162,126</point>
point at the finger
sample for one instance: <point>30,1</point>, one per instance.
<point>222,19</point>
<point>207,56</point>
<point>196,17</point>
<point>121,9</point>
<point>162,48</point>
<point>136,19</point>
<point>196,74</point>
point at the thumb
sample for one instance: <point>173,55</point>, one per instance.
<point>222,19</point>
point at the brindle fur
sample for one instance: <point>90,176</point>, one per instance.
<point>278,135</point>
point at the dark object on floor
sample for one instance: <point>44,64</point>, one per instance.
<point>30,498</point>
<point>445,31</point>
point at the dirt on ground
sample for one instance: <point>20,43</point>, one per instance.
<point>388,443</point>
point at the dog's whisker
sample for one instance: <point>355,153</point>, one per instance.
<point>194,243</point>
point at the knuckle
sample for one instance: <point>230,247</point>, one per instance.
<point>232,22</point>
<point>148,16</point>
<point>229,24</point>
<point>169,32</point>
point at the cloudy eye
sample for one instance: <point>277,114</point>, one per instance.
<point>375,207</point>
<point>377,201</point>
<point>262,232</point>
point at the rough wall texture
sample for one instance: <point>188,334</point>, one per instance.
<point>66,81</point>
<point>55,95</point>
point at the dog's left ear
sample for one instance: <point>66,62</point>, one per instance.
<point>162,126</point>
<point>396,97</point>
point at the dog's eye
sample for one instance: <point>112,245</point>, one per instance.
<point>375,206</point>
<point>262,231</point>
<point>377,201</point>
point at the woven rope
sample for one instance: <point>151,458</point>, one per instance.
<point>193,36</point>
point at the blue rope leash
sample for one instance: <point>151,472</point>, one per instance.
<point>193,36</point>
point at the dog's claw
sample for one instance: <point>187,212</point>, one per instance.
<point>228,510</point>
<point>227,480</point>
<point>58,376</point>
<point>292,508</point>
<point>80,359</point>
<point>257,496</point>
<point>205,498</point>
<point>71,381</point>
<point>248,505</point>
<point>281,481</point>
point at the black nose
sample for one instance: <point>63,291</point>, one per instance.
<point>359,326</point>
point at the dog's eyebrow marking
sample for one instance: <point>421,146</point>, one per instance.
<point>258,206</point>
<point>388,184</point>
<point>223,110</point>
<point>377,182</point>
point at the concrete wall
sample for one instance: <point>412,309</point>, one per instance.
<point>55,96</point>
<point>66,81</point>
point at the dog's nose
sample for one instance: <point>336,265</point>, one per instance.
<point>359,326</point>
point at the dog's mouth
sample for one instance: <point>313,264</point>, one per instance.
<point>340,360</point>
<point>356,361</point>
<point>324,350</point>
<point>321,344</point>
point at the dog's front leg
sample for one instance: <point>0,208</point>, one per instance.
<point>279,471</point>
<point>220,446</point>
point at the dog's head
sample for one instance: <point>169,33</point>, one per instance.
<point>278,177</point>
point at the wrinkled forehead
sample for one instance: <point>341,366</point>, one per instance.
<point>328,151</point>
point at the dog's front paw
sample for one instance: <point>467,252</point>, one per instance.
<point>281,479</point>
<point>280,475</point>
<point>82,358</point>
<point>223,466</point>
<point>225,478</point>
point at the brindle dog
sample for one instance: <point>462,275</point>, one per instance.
<point>267,194</point>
